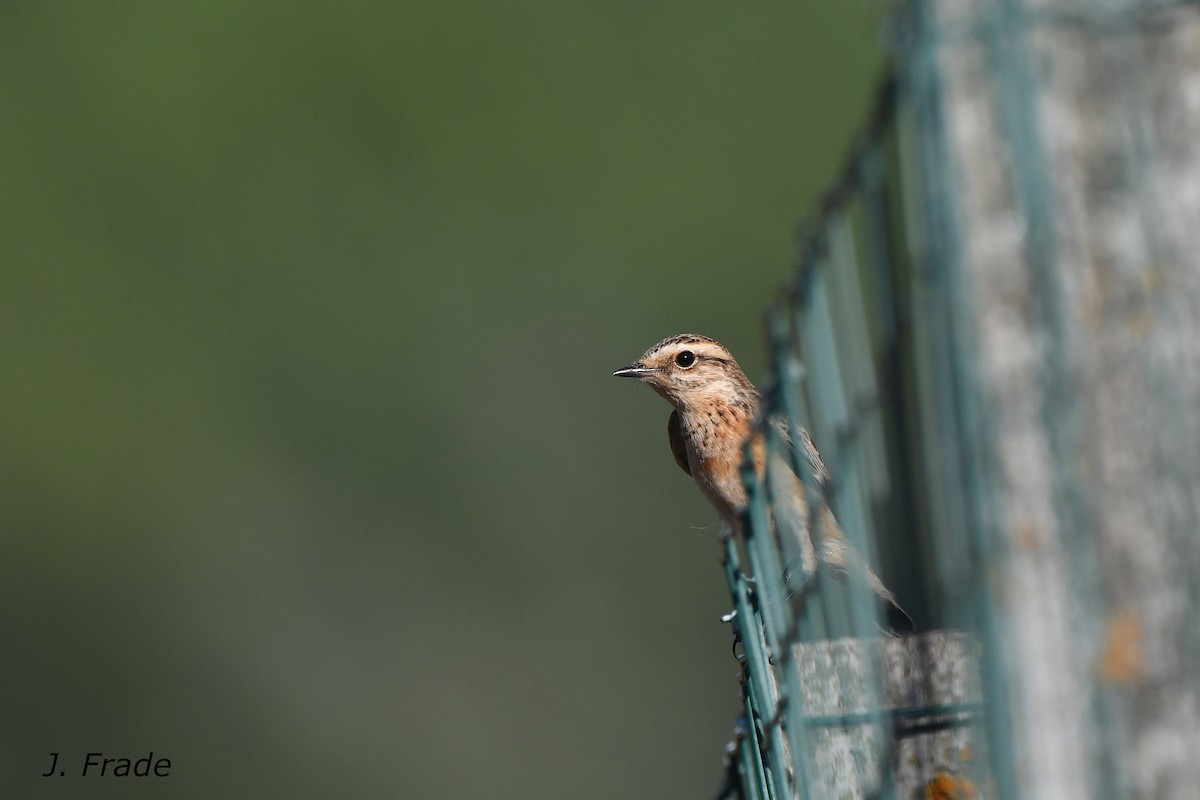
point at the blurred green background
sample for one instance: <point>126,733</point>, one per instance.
<point>314,477</point>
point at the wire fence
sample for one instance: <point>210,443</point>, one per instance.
<point>993,335</point>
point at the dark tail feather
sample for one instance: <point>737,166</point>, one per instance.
<point>898,620</point>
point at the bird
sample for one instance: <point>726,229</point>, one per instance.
<point>715,409</point>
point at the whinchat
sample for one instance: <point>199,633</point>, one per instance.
<point>715,408</point>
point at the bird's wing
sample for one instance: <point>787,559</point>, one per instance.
<point>836,551</point>
<point>678,449</point>
<point>808,450</point>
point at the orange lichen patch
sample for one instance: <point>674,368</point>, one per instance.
<point>1151,278</point>
<point>946,786</point>
<point>1121,661</point>
<point>1139,321</point>
<point>1027,535</point>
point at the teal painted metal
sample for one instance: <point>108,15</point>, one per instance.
<point>780,600</point>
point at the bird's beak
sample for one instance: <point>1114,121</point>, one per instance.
<point>635,370</point>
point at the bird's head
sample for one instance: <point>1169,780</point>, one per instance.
<point>690,370</point>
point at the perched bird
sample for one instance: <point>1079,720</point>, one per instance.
<point>715,407</point>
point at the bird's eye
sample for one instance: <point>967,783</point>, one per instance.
<point>685,359</point>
